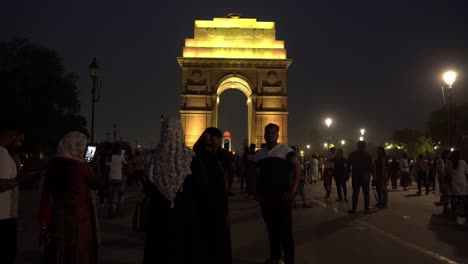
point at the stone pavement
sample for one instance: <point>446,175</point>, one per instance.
<point>408,231</point>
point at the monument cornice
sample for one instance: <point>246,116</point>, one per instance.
<point>187,62</point>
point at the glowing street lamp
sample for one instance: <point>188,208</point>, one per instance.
<point>308,146</point>
<point>325,145</point>
<point>449,78</point>
<point>328,122</point>
<point>362,130</point>
<point>343,142</point>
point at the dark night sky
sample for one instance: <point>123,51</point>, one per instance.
<point>372,64</point>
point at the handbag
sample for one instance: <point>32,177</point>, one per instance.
<point>141,215</point>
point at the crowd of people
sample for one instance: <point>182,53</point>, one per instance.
<point>446,175</point>
<point>189,189</point>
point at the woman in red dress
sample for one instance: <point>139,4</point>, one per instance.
<point>67,214</point>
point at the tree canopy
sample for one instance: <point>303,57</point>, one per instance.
<point>438,125</point>
<point>39,93</point>
<point>412,141</point>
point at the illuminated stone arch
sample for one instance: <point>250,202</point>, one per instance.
<point>234,53</point>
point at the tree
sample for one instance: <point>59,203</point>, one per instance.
<point>412,141</point>
<point>438,125</point>
<point>39,93</point>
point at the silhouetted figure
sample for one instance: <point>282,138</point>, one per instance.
<point>421,166</point>
<point>251,171</point>
<point>68,213</point>
<point>212,235</point>
<point>381,178</point>
<point>339,172</point>
<point>443,181</point>
<point>404,169</point>
<point>458,170</point>
<point>360,163</point>
<point>276,188</point>
<point>11,137</point>
<point>393,170</point>
<point>171,224</point>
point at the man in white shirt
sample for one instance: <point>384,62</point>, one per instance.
<point>277,181</point>
<point>115,180</point>
<point>10,139</point>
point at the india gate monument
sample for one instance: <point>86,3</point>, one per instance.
<point>234,53</point>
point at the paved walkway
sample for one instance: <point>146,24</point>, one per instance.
<point>406,232</point>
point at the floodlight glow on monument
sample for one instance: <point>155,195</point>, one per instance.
<point>234,37</point>
<point>449,78</point>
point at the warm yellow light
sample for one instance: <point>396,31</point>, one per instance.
<point>343,142</point>
<point>449,78</point>
<point>308,146</point>
<point>234,22</point>
<point>233,37</point>
<point>328,122</point>
<point>238,83</point>
<point>361,138</point>
<point>239,53</point>
<point>362,131</point>
<point>325,145</point>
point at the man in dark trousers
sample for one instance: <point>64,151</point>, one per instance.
<point>277,182</point>
<point>360,163</point>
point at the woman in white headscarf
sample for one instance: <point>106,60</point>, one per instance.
<point>67,211</point>
<point>168,237</point>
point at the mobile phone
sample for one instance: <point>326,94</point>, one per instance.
<point>90,151</point>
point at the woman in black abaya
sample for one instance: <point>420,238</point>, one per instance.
<point>211,201</point>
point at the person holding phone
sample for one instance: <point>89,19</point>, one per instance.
<point>69,229</point>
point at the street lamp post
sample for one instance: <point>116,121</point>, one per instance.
<point>94,74</point>
<point>328,122</point>
<point>449,78</point>
<point>115,132</point>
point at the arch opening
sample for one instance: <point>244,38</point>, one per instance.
<point>233,117</point>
